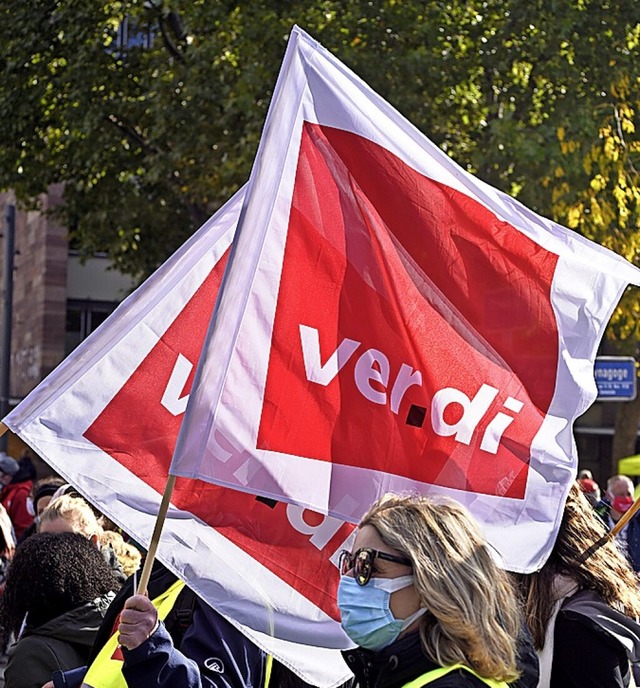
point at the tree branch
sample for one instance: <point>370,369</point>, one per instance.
<point>131,133</point>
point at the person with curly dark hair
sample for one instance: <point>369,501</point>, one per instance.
<point>58,589</point>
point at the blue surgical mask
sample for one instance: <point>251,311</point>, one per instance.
<point>365,613</point>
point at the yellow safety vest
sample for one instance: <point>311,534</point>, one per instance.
<point>106,669</point>
<point>431,676</point>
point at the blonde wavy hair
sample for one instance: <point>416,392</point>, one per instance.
<point>76,512</point>
<point>128,556</point>
<point>472,612</point>
<point>605,571</point>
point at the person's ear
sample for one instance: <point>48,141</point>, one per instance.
<point>94,539</point>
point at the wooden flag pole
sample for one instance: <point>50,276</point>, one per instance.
<point>624,519</point>
<point>155,538</point>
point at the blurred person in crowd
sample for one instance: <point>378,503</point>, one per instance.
<point>41,494</point>
<point>17,479</point>
<point>590,489</point>
<point>582,605</point>
<point>8,468</point>
<point>69,514</point>
<point>68,490</point>
<point>7,545</point>
<point>616,501</point>
<point>43,491</point>
<point>425,602</point>
<point>57,592</point>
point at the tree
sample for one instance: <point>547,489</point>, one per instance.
<point>151,113</point>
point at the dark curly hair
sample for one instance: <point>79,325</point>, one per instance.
<point>50,574</point>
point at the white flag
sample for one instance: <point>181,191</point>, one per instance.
<point>107,420</point>
<point>391,323</point>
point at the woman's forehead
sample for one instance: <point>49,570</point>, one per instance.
<point>368,536</point>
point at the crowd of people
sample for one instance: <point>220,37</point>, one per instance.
<point>421,595</point>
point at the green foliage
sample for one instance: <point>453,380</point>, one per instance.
<point>601,198</point>
<point>537,98</point>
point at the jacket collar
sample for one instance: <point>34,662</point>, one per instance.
<point>392,666</point>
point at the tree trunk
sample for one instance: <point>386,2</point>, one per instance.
<point>625,433</point>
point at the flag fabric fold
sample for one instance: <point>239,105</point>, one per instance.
<point>107,420</point>
<point>388,322</point>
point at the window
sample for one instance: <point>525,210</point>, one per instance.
<point>131,35</point>
<point>83,317</point>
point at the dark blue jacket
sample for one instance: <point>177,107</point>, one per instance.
<point>633,543</point>
<point>212,654</point>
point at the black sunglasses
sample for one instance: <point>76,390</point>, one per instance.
<point>362,562</point>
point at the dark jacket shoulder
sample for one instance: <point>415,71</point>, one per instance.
<point>402,662</point>
<point>58,645</point>
<point>590,644</point>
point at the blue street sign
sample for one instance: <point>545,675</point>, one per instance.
<point>616,378</point>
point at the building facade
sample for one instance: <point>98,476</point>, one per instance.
<point>58,300</point>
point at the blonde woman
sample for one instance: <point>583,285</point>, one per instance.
<point>582,609</point>
<point>425,602</point>
<point>68,514</point>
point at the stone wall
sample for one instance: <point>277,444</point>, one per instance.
<point>39,292</point>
